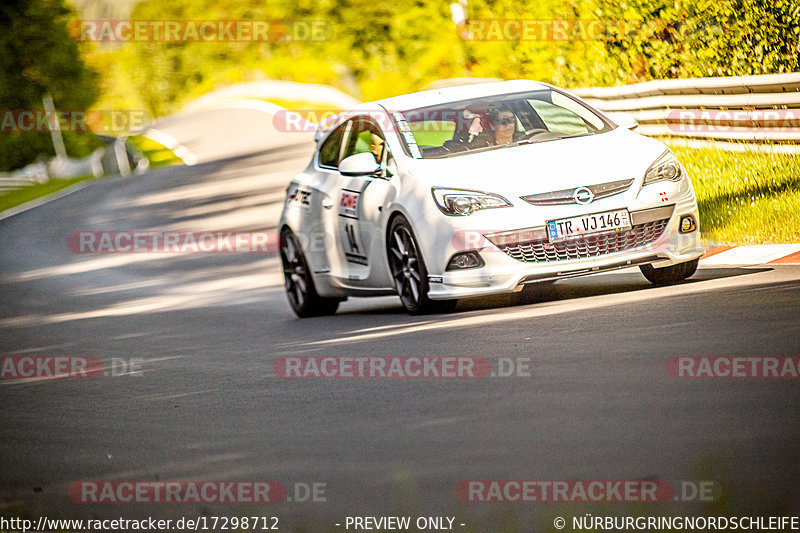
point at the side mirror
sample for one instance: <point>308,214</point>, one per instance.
<point>362,164</point>
<point>624,120</point>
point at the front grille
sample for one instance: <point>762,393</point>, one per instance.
<point>567,196</point>
<point>586,246</point>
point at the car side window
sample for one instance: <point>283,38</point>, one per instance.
<point>330,150</point>
<point>366,136</point>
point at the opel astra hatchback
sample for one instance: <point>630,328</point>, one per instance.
<point>477,190</point>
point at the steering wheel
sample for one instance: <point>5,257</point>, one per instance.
<point>533,132</point>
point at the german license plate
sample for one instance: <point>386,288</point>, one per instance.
<point>586,224</point>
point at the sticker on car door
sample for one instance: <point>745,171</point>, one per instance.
<point>350,235</point>
<point>299,198</point>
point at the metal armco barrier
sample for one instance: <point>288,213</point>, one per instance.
<point>764,108</point>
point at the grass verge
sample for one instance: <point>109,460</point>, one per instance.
<point>29,193</point>
<point>745,197</point>
<point>156,154</point>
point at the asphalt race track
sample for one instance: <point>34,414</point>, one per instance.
<point>596,401</point>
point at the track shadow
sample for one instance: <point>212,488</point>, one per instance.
<point>594,286</point>
<point>583,287</point>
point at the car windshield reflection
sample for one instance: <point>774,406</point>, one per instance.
<point>483,124</point>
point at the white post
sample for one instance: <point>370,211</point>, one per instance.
<point>122,156</point>
<point>54,126</point>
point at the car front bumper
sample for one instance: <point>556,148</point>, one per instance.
<point>536,260</point>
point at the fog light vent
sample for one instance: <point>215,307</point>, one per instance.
<point>465,260</point>
<point>688,224</point>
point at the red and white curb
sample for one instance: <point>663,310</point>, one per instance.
<point>751,255</point>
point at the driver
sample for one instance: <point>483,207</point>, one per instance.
<point>366,141</point>
<point>376,146</point>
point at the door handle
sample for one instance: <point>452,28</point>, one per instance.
<point>327,203</point>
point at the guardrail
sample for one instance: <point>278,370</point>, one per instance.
<point>118,157</point>
<point>33,173</point>
<point>763,108</point>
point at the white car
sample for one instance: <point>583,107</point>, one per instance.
<point>476,190</point>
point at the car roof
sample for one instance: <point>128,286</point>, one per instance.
<point>454,94</point>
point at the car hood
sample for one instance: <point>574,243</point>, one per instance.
<point>545,166</point>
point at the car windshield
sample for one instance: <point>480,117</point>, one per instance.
<point>493,122</point>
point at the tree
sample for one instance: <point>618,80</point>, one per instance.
<point>38,56</point>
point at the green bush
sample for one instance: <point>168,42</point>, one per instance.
<point>380,48</point>
<point>38,56</point>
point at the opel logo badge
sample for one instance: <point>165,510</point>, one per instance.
<point>583,195</point>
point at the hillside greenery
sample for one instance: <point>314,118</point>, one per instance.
<point>370,49</point>
<point>378,48</point>
<point>38,56</point>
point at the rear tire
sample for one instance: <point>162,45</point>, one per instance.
<point>300,290</point>
<point>409,273</point>
<point>670,274</point>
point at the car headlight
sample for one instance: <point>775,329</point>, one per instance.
<point>458,202</point>
<point>666,167</point>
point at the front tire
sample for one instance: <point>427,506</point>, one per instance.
<point>409,273</point>
<point>300,290</point>
<point>670,274</point>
